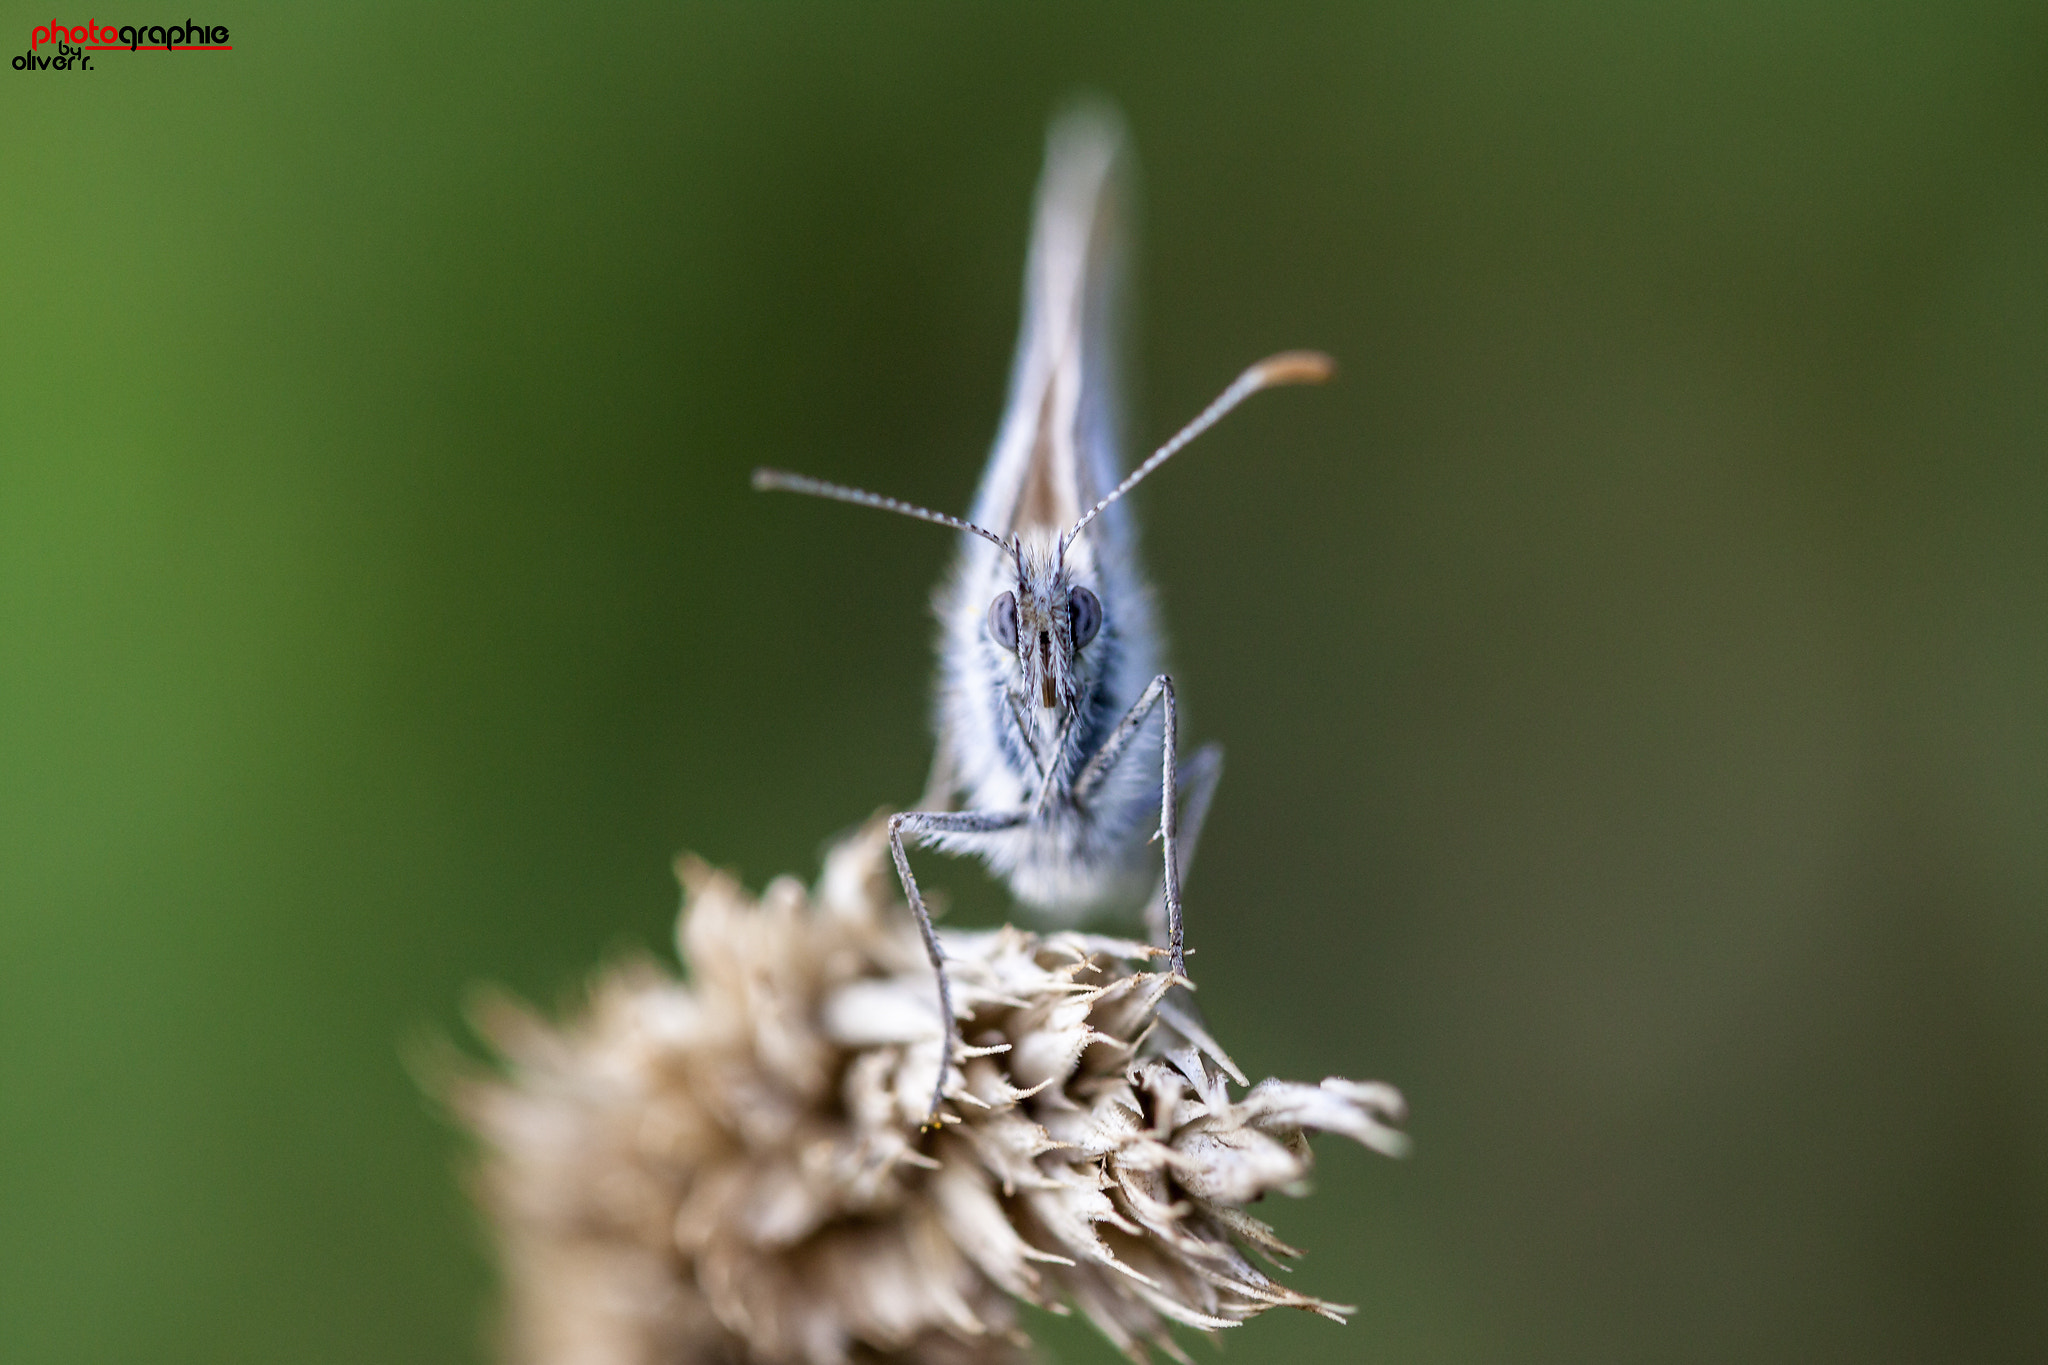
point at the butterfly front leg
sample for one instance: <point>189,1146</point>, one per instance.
<point>920,823</point>
<point>1198,780</point>
<point>1161,691</point>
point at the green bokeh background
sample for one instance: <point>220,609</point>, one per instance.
<point>1632,671</point>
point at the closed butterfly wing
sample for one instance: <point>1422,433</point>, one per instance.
<point>1056,453</point>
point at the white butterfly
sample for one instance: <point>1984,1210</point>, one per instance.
<point>1048,652</point>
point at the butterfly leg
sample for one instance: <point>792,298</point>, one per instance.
<point>1160,694</point>
<point>922,823</point>
<point>1199,777</point>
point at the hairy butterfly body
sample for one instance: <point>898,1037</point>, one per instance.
<point>1019,705</point>
<point>1057,756</point>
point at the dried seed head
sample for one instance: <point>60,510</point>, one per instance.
<point>730,1169</point>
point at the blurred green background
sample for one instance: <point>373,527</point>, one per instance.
<point>1632,671</point>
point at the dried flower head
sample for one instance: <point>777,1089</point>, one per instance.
<point>730,1169</point>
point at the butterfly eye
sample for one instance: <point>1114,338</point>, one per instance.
<point>1084,615</point>
<point>1002,621</point>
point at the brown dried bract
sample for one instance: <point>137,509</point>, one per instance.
<point>730,1168</point>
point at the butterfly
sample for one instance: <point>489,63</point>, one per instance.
<point>1049,766</point>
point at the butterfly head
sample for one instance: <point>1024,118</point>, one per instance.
<point>1045,623</point>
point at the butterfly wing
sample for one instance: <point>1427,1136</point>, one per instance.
<point>1056,453</point>
<point>1057,449</point>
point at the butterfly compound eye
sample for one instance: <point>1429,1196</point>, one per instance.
<point>1002,621</point>
<point>1084,615</point>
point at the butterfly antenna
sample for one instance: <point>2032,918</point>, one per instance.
<point>1289,367</point>
<point>778,480</point>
